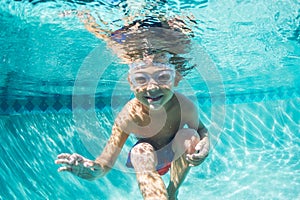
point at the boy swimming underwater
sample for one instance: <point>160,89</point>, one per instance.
<point>165,122</point>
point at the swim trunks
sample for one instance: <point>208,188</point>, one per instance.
<point>165,157</point>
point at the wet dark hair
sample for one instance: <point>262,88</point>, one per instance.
<point>154,36</point>
<point>182,64</point>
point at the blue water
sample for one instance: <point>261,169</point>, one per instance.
<point>61,88</point>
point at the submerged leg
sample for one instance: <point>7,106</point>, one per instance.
<point>184,142</point>
<point>143,159</point>
<point>179,170</point>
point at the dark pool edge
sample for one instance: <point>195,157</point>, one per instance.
<point>57,103</point>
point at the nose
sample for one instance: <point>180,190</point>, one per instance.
<point>152,85</point>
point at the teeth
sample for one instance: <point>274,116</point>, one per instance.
<point>154,98</point>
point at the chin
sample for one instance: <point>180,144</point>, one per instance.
<point>155,107</point>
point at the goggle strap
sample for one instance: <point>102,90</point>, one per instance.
<point>142,65</point>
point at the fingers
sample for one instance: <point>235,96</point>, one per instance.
<point>194,161</point>
<point>202,148</point>
<point>89,164</point>
<point>63,155</point>
<point>69,159</point>
<point>65,168</point>
<point>201,152</point>
<point>74,160</point>
<point>193,158</point>
<point>62,158</point>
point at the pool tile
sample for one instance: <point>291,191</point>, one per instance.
<point>29,106</point>
<point>57,105</point>
<point>4,106</point>
<point>16,106</point>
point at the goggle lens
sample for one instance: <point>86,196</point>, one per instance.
<point>163,77</point>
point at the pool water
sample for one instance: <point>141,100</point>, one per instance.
<point>61,88</point>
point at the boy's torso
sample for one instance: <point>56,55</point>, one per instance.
<point>160,127</point>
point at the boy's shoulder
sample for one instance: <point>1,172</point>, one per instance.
<point>133,104</point>
<point>131,115</point>
<point>131,109</point>
<point>188,108</point>
<point>184,100</point>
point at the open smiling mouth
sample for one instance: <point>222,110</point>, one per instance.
<point>151,99</point>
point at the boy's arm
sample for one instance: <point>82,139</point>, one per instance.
<point>112,149</point>
<point>202,130</point>
<point>203,146</point>
<point>88,169</point>
<point>92,26</point>
<point>89,21</point>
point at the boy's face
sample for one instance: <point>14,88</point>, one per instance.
<point>152,85</point>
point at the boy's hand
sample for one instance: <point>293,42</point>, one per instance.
<point>201,152</point>
<point>79,166</point>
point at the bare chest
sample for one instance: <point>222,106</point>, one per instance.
<point>159,128</point>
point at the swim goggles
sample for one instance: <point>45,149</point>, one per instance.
<point>162,77</point>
